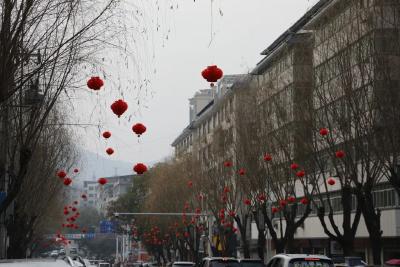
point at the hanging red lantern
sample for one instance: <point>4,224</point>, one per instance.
<point>323,131</point>
<point>291,199</point>
<point>61,174</point>
<point>304,201</point>
<point>106,134</point>
<point>267,157</point>
<point>242,172</point>
<point>140,168</point>
<point>110,151</point>
<point>74,209</point>
<point>139,129</point>
<point>294,166</point>
<point>190,184</point>
<point>331,181</point>
<point>95,83</point>
<point>232,213</point>
<point>282,203</point>
<point>226,189</point>
<point>247,202</point>
<point>228,164</point>
<point>261,197</point>
<point>102,181</point>
<point>76,170</point>
<point>212,74</point>
<point>119,107</point>
<point>198,211</point>
<point>300,173</point>
<point>274,209</point>
<point>66,212</point>
<point>84,196</point>
<point>67,181</point>
<point>340,154</point>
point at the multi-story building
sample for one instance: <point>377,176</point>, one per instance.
<point>338,47</point>
<point>100,196</point>
<point>209,108</point>
<point>90,188</point>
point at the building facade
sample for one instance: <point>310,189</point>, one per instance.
<point>338,48</point>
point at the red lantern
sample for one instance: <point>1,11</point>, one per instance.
<point>242,172</point>
<point>294,166</point>
<point>274,209</point>
<point>84,196</point>
<point>323,131</point>
<point>102,181</point>
<point>291,199</point>
<point>300,173</point>
<point>74,209</point>
<point>340,154</point>
<point>190,184</point>
<point>228,164</point>
<point>76,202</point>
<point>267,157</point>
<point>110,151</point>
<point>119,107</point>
<point>212,74</point>
<point>76,170</point>
<point>282,203</point>
<point>198,211</point>
<point>140,168</point>
<point>226,189</point>
<point>331,181</point>
<point>232,213</point>
<point>261,197</point>
<point>61,174</point>
<point>107,134</point>
<point>139,129</point>
<point>66,212</point>
<point>304,201</point>
<point>95,83</point>
<point>67,181</point>
<point>247,202</point>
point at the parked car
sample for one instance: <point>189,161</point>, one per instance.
<point>54,254</point>
<point>251,263</point>
<point>300,260</point>
<point>219,262</point>
<point>183,264</point>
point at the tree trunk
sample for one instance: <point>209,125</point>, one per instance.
<point>372,219</point>
<point>261,241</point>
<point>279,246</point>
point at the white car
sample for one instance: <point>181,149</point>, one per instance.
<point>34,263</point>
<point>300,260</point>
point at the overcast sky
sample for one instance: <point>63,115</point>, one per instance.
<point>176,47</point>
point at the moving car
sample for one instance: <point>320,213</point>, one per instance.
<point>219,262</point>
<point>183,264</point>
<point>300,260</point>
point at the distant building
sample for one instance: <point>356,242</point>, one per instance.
<point>100,196</point>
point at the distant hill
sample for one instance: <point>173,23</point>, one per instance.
<point>93,166</point>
